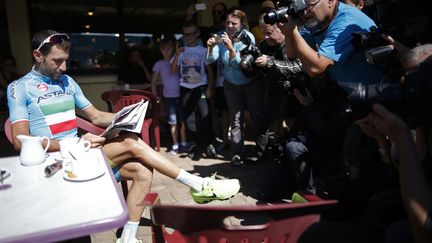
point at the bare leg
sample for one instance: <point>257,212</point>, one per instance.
<point>174,134</point>
<point>128,146</point>
<point>141,176</point>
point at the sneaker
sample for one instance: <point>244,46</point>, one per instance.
<point>211,151</point>
<point>135,241</point>
<point>216,190</point>
<point>236,161</point>
<point>174,149</point>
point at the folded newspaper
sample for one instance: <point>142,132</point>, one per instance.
<point>129,119</point>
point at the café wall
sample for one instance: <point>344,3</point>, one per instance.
<point>92,85</point>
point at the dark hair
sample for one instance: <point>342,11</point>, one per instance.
<point>41,35</point>
<point>168,39</point>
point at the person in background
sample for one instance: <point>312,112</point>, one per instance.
<point>8,73</point>
<point>240,91</point>
<point>133,71</point>
<point>257,30</point>
<point>196,87</point>
<point>171,94</point>
<point>219,12</point>
<point>42,103</point>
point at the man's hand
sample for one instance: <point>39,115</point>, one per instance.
<point>226,41</point>
<point>304,100</point>
<point>262,60</point>
<point>95,140</point>
<point>368,127</point>
<point>288,27</point>
<point>388,123</point>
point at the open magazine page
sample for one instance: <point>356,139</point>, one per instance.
<point>129,119</point>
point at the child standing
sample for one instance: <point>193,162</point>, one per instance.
<point>171,94</point>
<point>196,87</point>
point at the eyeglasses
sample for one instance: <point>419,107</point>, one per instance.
<point>54,39</point>
<point>311,5</point>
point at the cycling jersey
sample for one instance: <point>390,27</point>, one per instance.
<point>48,105</point>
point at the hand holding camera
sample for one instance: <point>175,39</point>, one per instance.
<point>261,61</point>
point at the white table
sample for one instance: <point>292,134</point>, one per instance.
<point>40,209</point>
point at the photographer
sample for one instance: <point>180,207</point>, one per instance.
<point>329,24</point>
<point>415,112</point>
<point>316,139</point>
<point>240,90</point>
<point>278,70</point>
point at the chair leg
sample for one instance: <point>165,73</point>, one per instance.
<point>125,188</point>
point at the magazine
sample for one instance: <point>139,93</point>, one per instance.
<point>130,119</point>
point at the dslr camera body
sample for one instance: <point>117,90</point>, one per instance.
<point>249,54</point>
<point>290,7</point>
<point>375,47</point>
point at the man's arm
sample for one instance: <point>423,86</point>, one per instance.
<point>97,117</point>
<point>313,63</point>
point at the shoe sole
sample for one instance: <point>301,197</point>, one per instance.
<point>212,199</point>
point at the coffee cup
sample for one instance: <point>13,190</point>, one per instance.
<point>72,148</point>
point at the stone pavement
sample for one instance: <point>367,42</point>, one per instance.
<point>256,181</point>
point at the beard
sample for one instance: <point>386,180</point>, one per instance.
<point>311,23</point>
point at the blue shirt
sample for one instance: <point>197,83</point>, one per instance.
<point>48,105</point>
<point>335,43</point>
<point>231,68</point>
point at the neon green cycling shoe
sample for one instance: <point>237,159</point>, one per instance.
<point>214,189</point>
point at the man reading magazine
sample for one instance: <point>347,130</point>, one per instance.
<point>42,103</point>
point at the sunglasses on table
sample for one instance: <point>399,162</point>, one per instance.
<point>53,40</point>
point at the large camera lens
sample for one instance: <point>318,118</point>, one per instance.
<point>276,16</point>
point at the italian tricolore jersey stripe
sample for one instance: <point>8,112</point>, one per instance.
<point>60,117</point>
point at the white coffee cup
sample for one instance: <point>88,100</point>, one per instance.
<point>73,147</point>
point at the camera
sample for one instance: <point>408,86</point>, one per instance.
<point>381,55</point>
<point>297,81</point>
<point>218,39</point>
<point>376,49</point>
<point>248,55</point>
<point>365,40</point>
<point>290,7</point>
<point>408,95</point>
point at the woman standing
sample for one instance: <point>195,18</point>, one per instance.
<point>240,91</point>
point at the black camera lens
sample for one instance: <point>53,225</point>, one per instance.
<point>276,16</point>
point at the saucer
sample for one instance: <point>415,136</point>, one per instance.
<point>93,162</point>
<point>69,176</point>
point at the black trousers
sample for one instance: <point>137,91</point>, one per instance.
<point>197,112</point>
